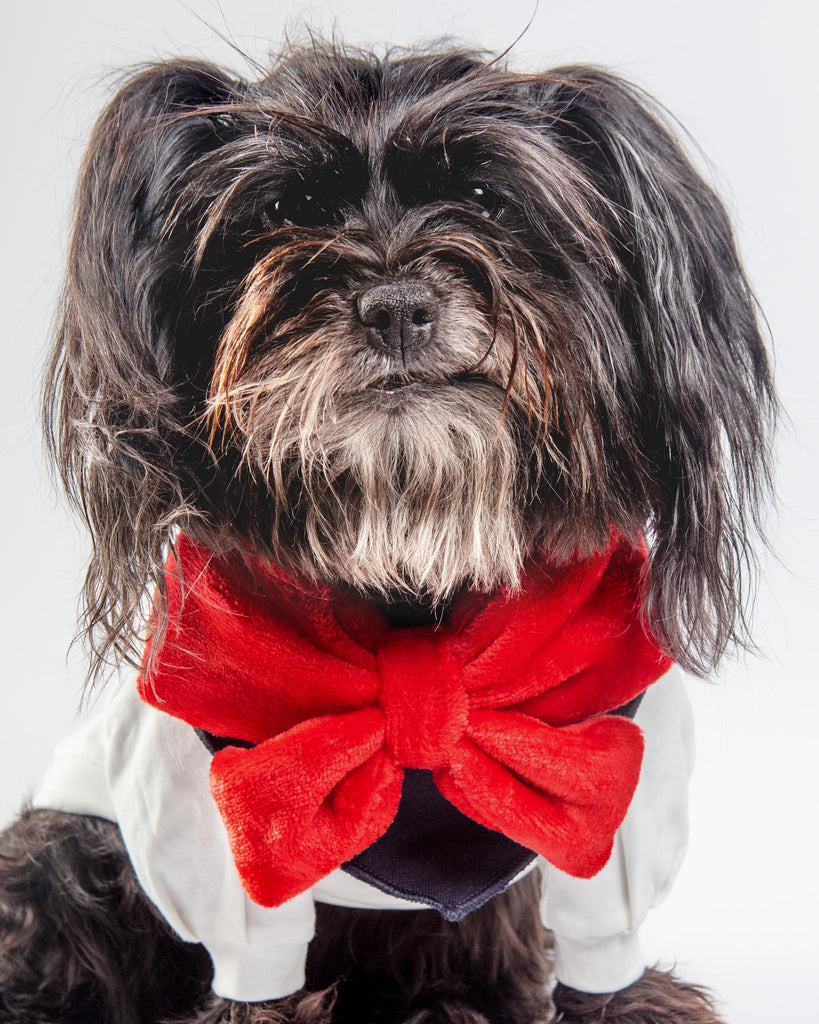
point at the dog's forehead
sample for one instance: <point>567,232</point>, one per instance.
<point>368,99</point>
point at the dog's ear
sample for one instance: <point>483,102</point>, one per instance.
<point>115,417</point>
<point>699,463</point>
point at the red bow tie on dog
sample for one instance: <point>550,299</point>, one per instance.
<point>506,704</point>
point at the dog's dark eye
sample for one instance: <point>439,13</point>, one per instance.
<point>302,207</point>
<point>489,202</point>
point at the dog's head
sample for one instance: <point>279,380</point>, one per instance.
<point>403,323</point>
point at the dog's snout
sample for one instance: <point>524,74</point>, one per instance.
<point>400,316</point>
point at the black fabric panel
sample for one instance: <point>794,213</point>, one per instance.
<point>217,743</point>
<point>629,710</point>
<point>434,854</point>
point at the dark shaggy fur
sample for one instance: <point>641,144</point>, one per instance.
<point>657,998</point>
<point>79,942</point>
<point>211,370</point>
<point>399,323</point>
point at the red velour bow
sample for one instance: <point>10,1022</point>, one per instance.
<point>506,704</point>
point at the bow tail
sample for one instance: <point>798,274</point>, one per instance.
<point>297,806</point>
<point>562,792</point>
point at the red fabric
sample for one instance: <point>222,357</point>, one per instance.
<point>506,704</point>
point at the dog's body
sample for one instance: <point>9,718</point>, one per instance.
<point>405,328</point>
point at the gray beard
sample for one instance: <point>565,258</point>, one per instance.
<point>417,493</point>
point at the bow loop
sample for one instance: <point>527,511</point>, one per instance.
<point>298,805</point>
<point>561,791</point>
<point>423,699</point>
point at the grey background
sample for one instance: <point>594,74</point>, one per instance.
<point>740,77</point>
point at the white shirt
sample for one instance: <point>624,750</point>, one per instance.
<point>148,772</point>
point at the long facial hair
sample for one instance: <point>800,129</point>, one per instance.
<point>402,474</point>
<point>595,362</point>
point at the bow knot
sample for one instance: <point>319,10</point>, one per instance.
<point>423,698</point>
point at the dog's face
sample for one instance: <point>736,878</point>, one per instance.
<point>403,324</point>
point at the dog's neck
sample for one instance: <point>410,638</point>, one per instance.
<point>401,612</point>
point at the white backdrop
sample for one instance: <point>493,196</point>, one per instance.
<point>739,76</point>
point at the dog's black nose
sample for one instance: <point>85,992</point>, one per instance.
<point>399,315</point>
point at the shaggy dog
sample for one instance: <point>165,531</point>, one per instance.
<point>421,337</point>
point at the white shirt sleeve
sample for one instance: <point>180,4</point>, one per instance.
<point>596,921</point>
<point>148,772</point>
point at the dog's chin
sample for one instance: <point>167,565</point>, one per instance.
<point>410,490</point>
